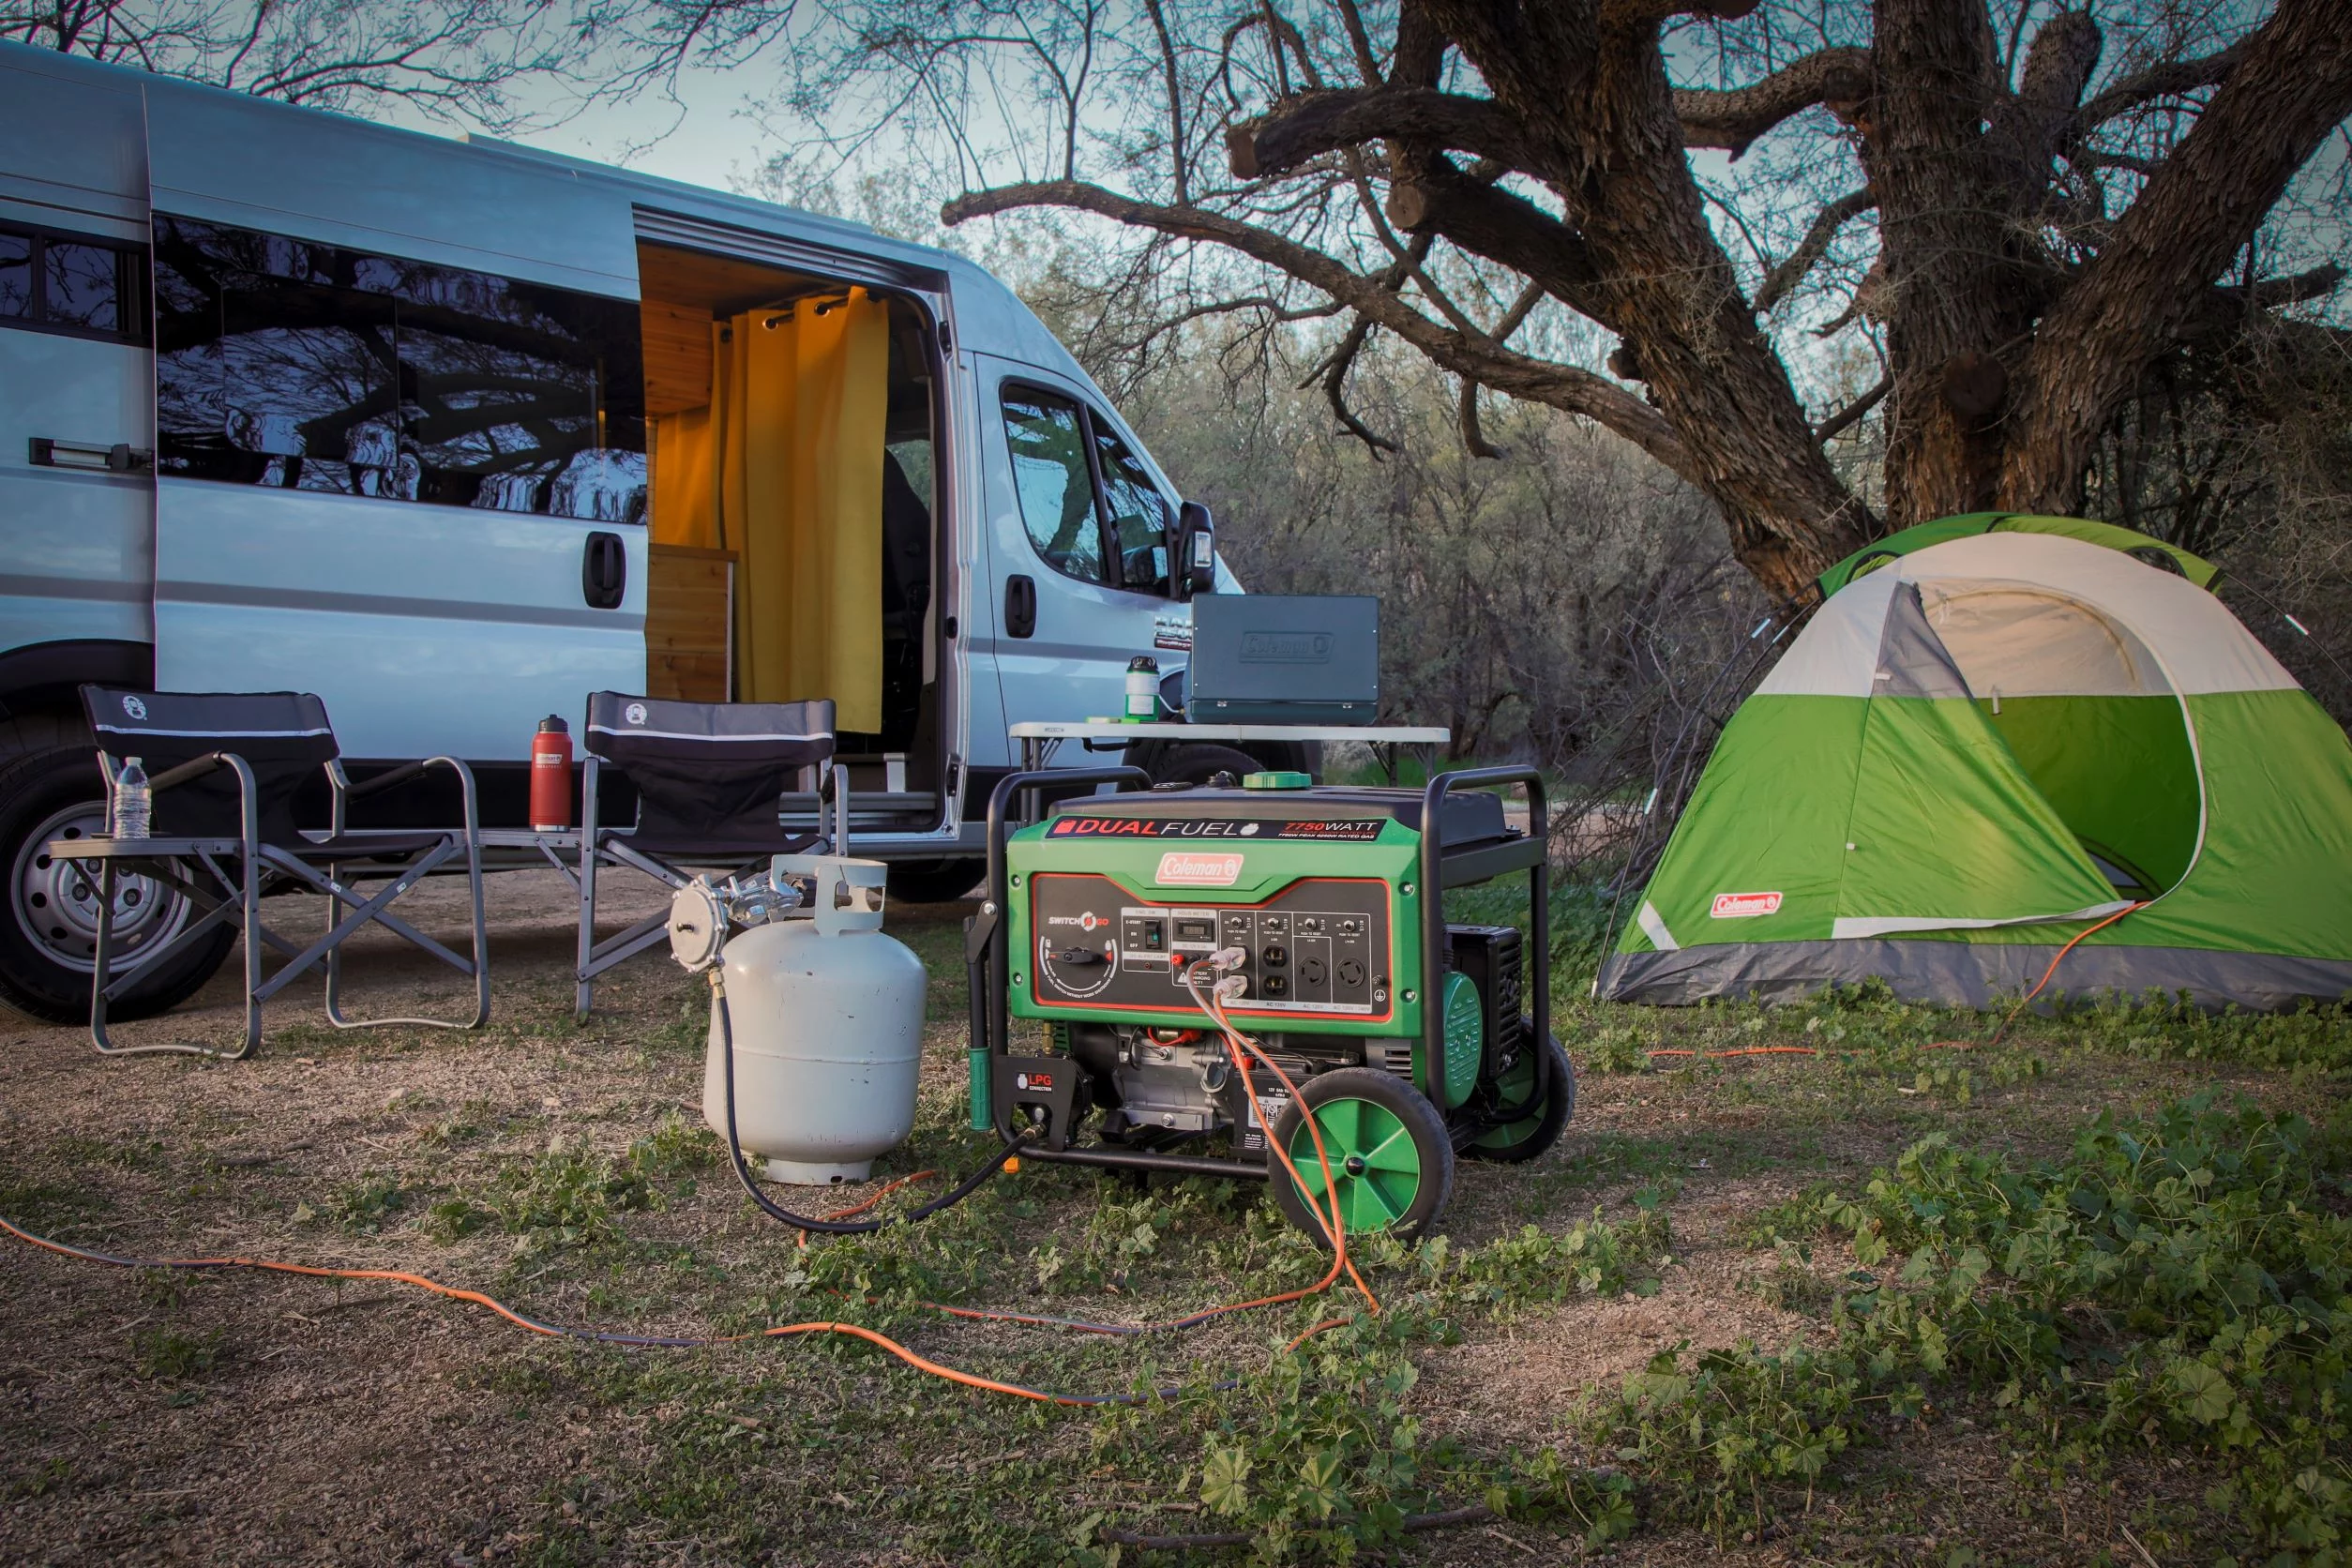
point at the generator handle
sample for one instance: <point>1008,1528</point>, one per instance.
<point>1432,1084</point>
<point>996,967</point>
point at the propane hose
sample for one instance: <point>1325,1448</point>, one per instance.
<point>774,1210</point>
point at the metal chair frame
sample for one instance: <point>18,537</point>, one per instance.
<point>600,846</point>
<point>262,868</point>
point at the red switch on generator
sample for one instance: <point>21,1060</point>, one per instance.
<point>551,776</point>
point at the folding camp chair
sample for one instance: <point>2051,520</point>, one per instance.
<point>223,769</point>
<point>710,779</point>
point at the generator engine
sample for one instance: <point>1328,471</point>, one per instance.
<point>1408,1039</point>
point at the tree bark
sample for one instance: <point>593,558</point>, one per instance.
<point>1602,129</point>
<point>2290,87</point>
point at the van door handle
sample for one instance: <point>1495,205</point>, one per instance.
<point>604,571</point>
<point>1020,606</point>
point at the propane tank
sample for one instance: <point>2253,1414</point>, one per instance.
<point>551,776</point>
<point>827,1018</point>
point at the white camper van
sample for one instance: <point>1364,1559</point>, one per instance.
<point>452,433</point>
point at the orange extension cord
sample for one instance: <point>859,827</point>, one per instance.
<point>1237,1044</point>
<point>1934,1045</point>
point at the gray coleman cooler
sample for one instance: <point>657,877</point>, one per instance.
<point>1284,658</point>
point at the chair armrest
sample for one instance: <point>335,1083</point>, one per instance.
<point>195,767</point>
<point>346,792</point>
<point>366,787</point>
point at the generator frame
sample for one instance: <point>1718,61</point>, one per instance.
<point>988,955</point>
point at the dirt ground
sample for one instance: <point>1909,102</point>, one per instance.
<point>241,1417</point>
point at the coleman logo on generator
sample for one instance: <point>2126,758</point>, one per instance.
<point>1744,906</point>
<point>1183,868</point>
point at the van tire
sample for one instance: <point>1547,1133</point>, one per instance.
<point>1197,764</point>
<point>36,786</point>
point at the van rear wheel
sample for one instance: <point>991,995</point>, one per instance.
<point>49,909</point>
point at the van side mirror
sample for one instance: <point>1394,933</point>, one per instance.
<point>1196,554</point>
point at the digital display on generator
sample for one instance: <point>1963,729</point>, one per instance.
<point>1321,947</point>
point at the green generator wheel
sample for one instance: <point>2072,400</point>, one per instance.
<point>1539,1094</point>
<point>1392,1162</point>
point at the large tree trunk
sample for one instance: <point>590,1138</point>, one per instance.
<point>1591,97</point>
<point>2285,96</point>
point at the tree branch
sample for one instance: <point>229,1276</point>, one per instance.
<point>2195,212</point>
<point>1565,387</point>
<point>1809,251</point>
<point>1334,380</point>
<point>1504,227</point>
<point>1734,118</point>
<point>1838,423</point>
<point>2172,78</point>
<point>2227,308</point>
<point>1320,123</point>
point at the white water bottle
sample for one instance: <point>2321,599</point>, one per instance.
<point>134,802</point>
<point>1143,689</point>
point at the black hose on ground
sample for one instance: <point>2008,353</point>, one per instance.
<point>774,1210</point>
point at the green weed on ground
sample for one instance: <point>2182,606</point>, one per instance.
<point>2181,1284</point>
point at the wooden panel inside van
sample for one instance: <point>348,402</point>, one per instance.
<point>688,606</point>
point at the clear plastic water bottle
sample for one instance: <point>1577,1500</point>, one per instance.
<point>134,802</point>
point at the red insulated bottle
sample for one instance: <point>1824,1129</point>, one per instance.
<point>551,776</point>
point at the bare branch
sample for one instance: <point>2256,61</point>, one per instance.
<point>1466,417</point>
<point>1335,378</point>
<point>1504,227</point>
<point>1845,419</point>
<point>1309,127</point>
<point>1809,251</point>
<point>2173,78</point>
<point>1566,388</point>
<point>2228,308</point>
<point>1734,119</point>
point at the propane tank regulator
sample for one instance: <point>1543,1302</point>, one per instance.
<point>705,913</point>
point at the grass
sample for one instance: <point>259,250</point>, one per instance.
<point>1888,1303</point>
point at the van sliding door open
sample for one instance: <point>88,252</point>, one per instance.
<point>797,499</point>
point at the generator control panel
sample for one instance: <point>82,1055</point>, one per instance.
<point>1321,947</point>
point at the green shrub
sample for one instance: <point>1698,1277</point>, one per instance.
<point>2174,1281</point>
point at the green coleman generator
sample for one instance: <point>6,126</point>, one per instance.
<point>1411,1041</point>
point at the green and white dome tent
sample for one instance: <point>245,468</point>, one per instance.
<point>1995,733</point>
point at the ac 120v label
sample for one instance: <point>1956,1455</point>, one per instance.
<point>1324,830</point>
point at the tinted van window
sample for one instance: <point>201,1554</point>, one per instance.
<point>304,366</point>
<point>71,283</point>
<point>1051,477</point>
<point>1139,515</point>
<point>1088,503</point>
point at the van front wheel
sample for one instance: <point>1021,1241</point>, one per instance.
<point>49,909</point>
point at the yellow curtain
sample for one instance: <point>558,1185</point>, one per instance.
<point>798,408</point>
<point>685,481</point>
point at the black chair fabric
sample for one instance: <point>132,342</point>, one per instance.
<point>709,775</point>
<point>283,736</point>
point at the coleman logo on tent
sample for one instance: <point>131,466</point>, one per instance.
<point>1743,905</point>
<point>1179,869</point>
